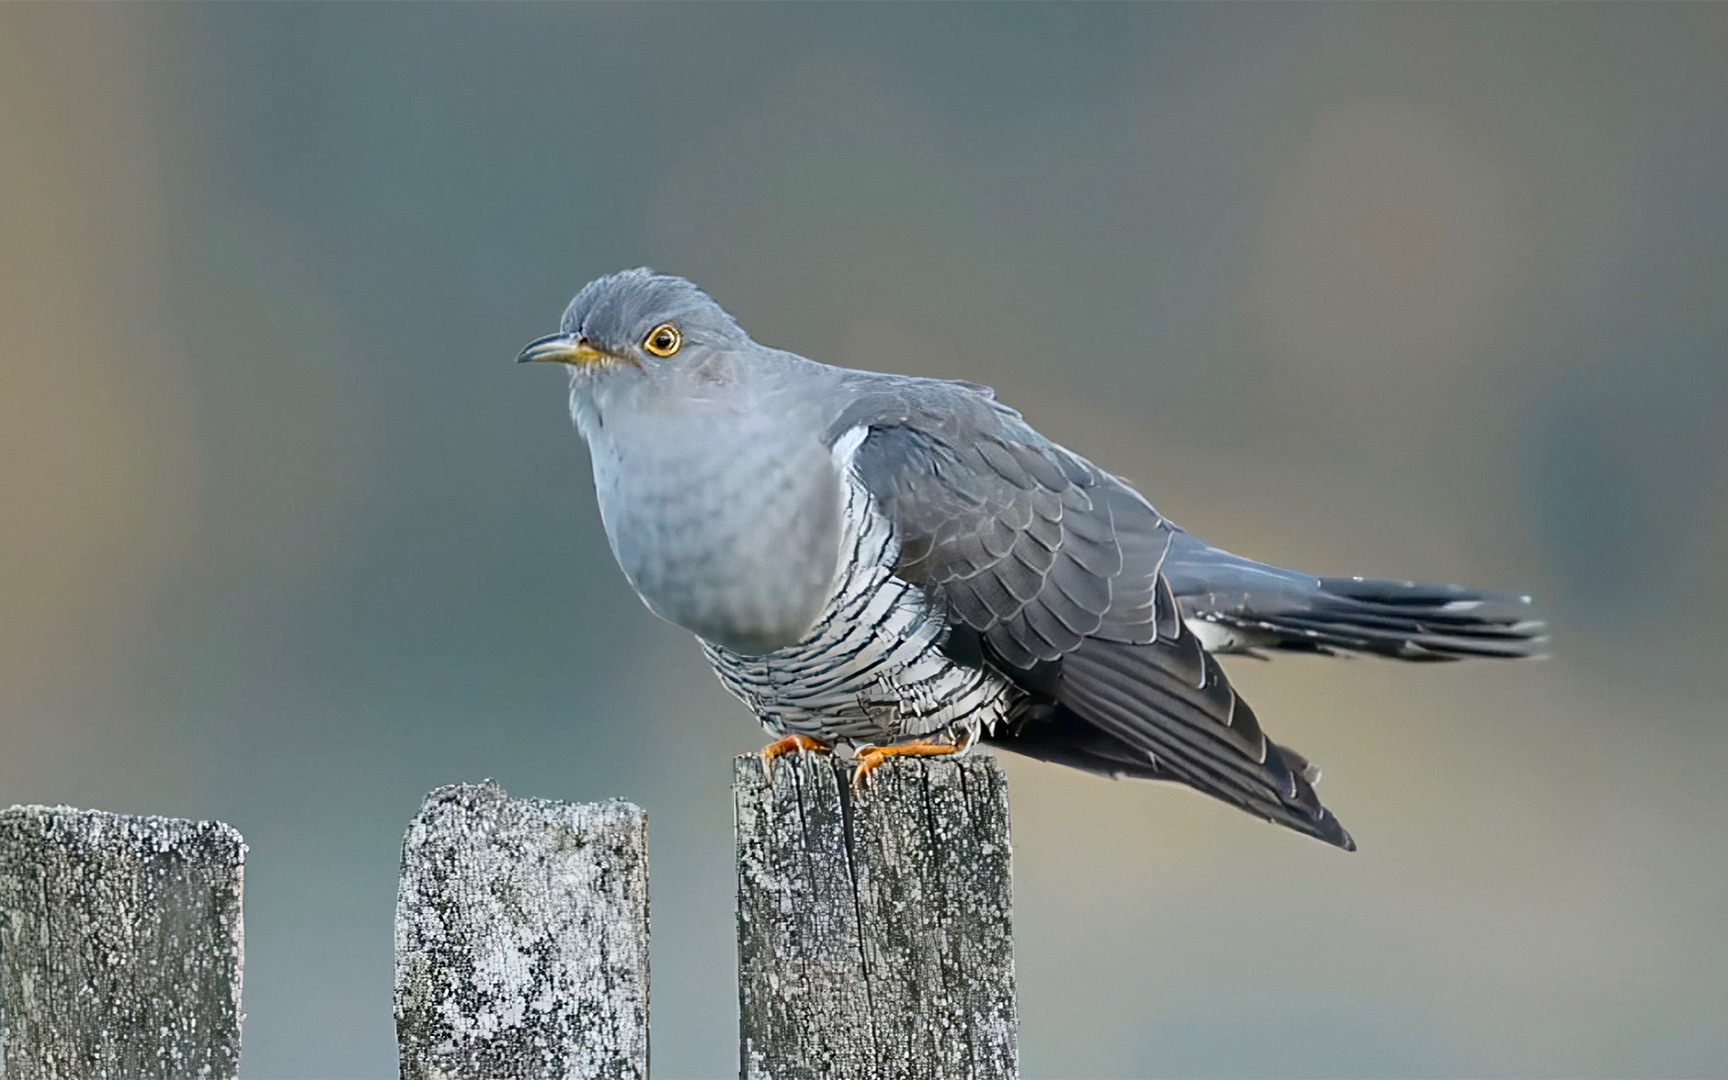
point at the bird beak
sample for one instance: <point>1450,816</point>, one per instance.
<point>563,349</point>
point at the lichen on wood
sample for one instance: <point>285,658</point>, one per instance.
<point>874,929</point>
<point>522,939</point>
<point>120,946</point>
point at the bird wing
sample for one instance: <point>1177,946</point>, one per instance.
<point>1057,566</point>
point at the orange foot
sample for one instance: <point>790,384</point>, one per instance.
<point>871,757</point>
<point>792,744</point>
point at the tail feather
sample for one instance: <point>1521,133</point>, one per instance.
<point>1406,620</point>
<point>1238,605</point>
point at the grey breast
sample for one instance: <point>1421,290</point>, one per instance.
<point>872,670</point>
<point>723,525</point>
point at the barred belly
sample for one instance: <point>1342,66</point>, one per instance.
<point>872,672</point>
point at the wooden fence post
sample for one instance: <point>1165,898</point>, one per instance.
<point>522,939</point>
<point>120,946</point>
<point>874,936</point>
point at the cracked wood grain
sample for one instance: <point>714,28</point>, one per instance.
<point>522,939</point>
<point>874,931</point>
<point>120,946</point>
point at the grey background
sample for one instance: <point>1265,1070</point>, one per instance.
<point>285,539</point>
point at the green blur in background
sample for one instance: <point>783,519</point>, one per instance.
<point>287,539</point>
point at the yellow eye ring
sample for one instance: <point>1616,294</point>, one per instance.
<point>663,340</point>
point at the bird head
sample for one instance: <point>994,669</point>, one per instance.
<point>641,326</point>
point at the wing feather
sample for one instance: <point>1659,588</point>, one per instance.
<point>1058,568</point>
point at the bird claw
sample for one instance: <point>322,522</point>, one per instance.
<point>791,744</point>
<point>872,758</point>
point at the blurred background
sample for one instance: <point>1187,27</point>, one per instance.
<point>286,539</point>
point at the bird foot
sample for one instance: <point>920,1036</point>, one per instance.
<point>871,757</point>
<point>791,744</point>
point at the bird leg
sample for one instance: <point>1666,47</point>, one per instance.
<point>871,757</point>
<point>791,744</point>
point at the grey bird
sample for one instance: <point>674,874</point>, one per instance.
<point>904,566</point>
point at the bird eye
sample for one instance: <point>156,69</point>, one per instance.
<point>663,340</point>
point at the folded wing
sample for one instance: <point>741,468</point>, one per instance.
<point>1056,567</point>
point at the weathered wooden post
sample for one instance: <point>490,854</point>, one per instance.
<point>874,938</point>
<point>120,946</point>
<point>522,939</point>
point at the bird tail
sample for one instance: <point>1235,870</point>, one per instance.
<point>1410,620</point>
<point>1238,605</point>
